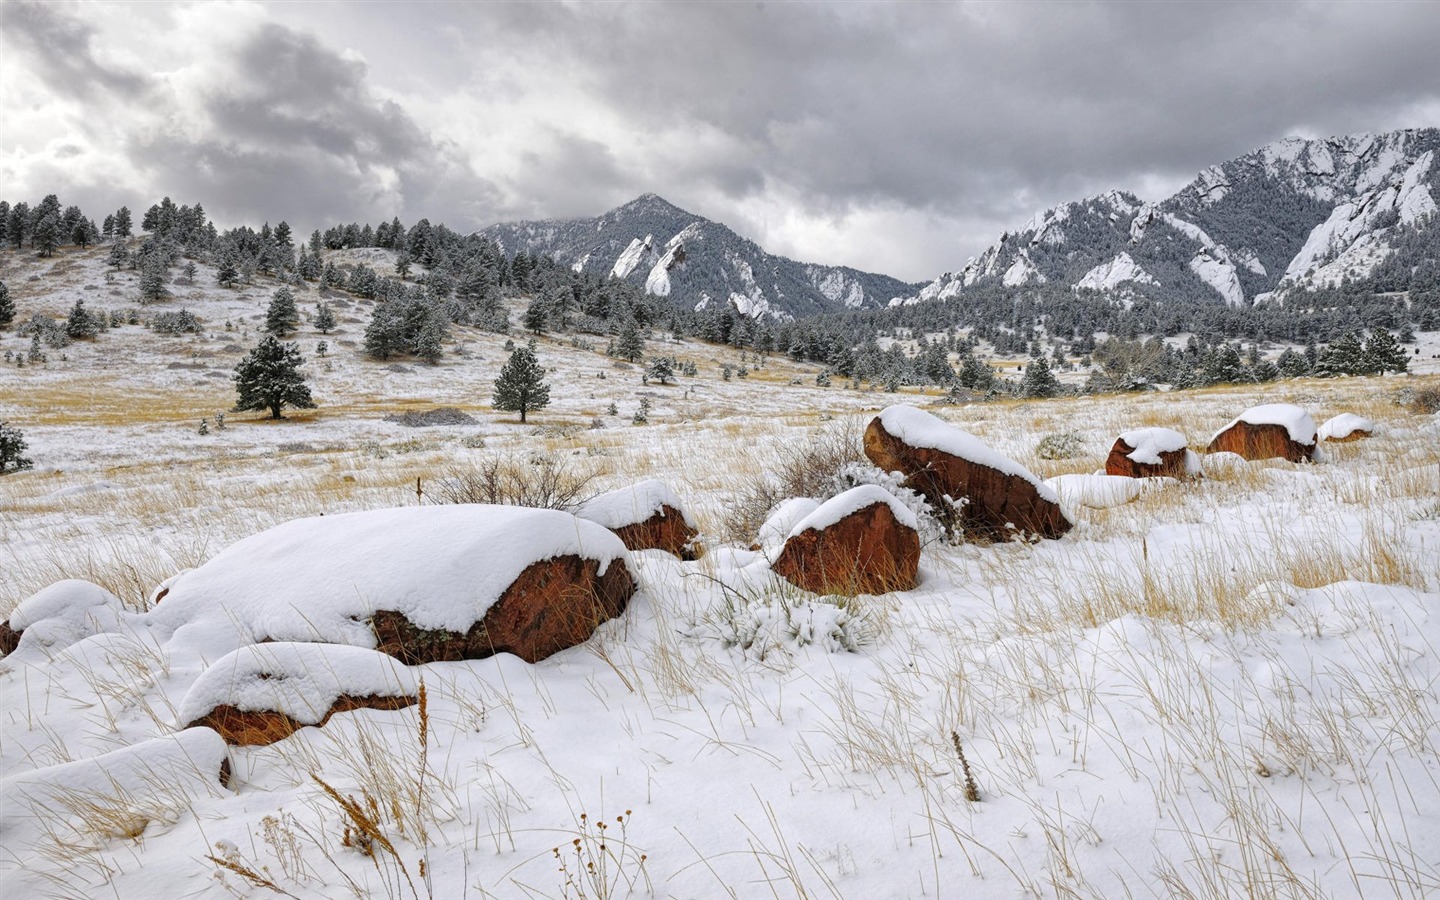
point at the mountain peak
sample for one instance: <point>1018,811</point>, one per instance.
<point>652,204</point>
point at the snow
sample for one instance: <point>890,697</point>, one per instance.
<point>634,504</point>
<point>835,285</point>
<point>1096,491</point>
<point>631,256</point>
<point>320,579</point>
<point>781,521</point>
<point>144,780</point>
<point>1294,419</point>
<point>1344,425</point>
<point>657,283</point>
<point>921,429</point>
<point>61,615</point>
<point>1022,271</point>
<point>303,681</point>
<point>1108,276</point>
<point>1149,443</point>
<point>852,501</point>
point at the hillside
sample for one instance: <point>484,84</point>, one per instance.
<point>696,262</point>
<point>1291,216</point>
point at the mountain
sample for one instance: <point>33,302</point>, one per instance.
<point>1296,214</point>
<point>696,262</point>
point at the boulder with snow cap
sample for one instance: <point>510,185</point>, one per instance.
<point>1275,430</point>
<point>264,693</point>
<point>1151,453</point>
<point>863,541</point>
<point>1002,499</point>
<point>423,584</point>
<point>60,615</point>
<point>646,516</point>
<point>1344,428</point>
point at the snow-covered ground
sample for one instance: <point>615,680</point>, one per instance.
<point>1225,687</point>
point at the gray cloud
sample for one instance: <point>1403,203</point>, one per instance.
<point>894,137</point>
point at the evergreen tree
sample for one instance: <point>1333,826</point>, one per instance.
<point>269,378</point>
<point>1383,353</point>
<point>80,323</point>
<point>661,369</point>
<point>1223,366</point>
<point>536,316</point>
<point>1292,364</point>
<point>1344,356</point>
<point>630,345</point>
<point>282,317</point>
<point>521,386</point>
<point>324,318</point>
<point>17,225</point>
<point>7,306</point>
<point>385,335</point>
<point>1038,380</point>
<point>152,277</point>
<point>226,272</point>
<point>46,237</point>
<point>119,256</point>
<point>123,226</point>
<point>12,445</point>
<point>976,374</point>
<point>428,343</point>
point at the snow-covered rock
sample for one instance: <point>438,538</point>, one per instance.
<point>1345,427</point>
<point>1110,275</point>
<point>863,541</point>
<point>60,615</point>
<point>1095,491</point>
<point>646,515</point>
<point>1267,431</point>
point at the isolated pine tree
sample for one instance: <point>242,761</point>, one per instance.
<point>324,319</point>
<point>630,345</point>
<point>81,323</point>
<point>12,446</point>
<point>661,369</point>
<point>1038,380</point>
<point>521,386</point>
<point>123,226</point>
<point>7,306</point>
<point>536,316</point>
<point>269,378</point>
<point>1383,353</point>
<point>282,317</point>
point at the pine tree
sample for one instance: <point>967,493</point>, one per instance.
<point>1292,364</point>
<point>324,319</point>
<point>282,317</point>
<point>1383,353</point>
<point>46,237</point>
<point>521,386</point>
<point>976,374</point>
<point>428,343</point>
<point>152,277</point>
<point>7,306</point>
<point>119,256</point>
<point>630,345</point>
<point>1038,380</point>
<point>81,324</point>
<point>1223,366</point>
<point>226,273</point>
<point>661,369</point>
<point>269,378</point>
<point>536,316</point>
<point>123,226</point>
<point>1344,356</point>
<point>12,445</point>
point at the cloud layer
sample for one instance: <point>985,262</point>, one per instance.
<point>899,138</point>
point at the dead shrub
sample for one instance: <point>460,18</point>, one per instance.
<point>539,481</point>
<point>808,469</point>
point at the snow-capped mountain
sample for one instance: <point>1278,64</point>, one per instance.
<point>698,263</point>
<point>1295,214</point>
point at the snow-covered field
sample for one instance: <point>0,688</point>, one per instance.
<point>1225,687</point>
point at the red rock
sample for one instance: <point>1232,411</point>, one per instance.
<point>646,516</point>
<point>554,604</point>
<point>9,638</point>
<point>1260,442</point>
<point>1001,504</point>
<point>248,728</point>
<point>666,530</point>
<point>1164,455</point>
<point>866,551</point>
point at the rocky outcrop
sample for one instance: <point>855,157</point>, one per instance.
<point>555,603</point>
<point>1277,430</point>
<point>862,542</point>
<point>1150,453</point>
<point>1000,499</point>
<point>646,516</point>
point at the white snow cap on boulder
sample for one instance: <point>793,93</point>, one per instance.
<point>776,529</point>
<point>921,429</point>
<point>303,681</point>
<point>320,579</point>
<point>1149,443</point>
<point>630,505</point>
<point>1287,415</point>
<point>62,614</point>
<point>852,501</point>
<point>1344,425</point>
<point>1096,491</point>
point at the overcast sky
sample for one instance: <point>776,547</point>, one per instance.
<point>897,137</point>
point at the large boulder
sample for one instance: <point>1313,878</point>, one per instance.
<point>1275,430</point>
<point>1151,453</point>
<point>420,583</point>
<point>57,616</point>
<point>264,693</point>
<point>863,541</point>
<point>1002,499</point>
<point>1345,428</point>
<point>646,516</point>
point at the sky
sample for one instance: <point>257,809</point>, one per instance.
<point>893,137</point>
